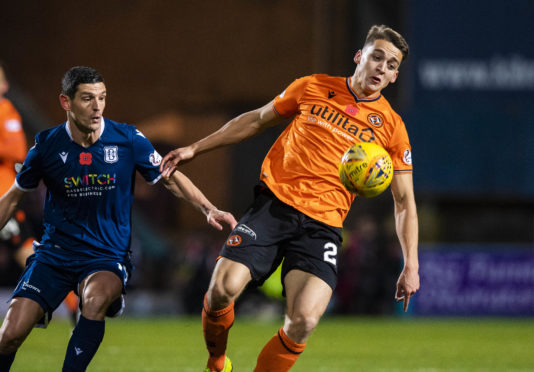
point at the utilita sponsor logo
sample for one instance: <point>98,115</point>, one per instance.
<point>333,117</point>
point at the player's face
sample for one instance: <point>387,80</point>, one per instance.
<point>378,65</point>
<point>85,110</point>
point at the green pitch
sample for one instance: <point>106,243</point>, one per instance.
<point>338,344</point>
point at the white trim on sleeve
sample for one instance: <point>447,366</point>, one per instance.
<point>22,188</point>
<point>155,180</point>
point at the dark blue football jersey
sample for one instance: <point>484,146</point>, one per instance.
<point>87,210</point>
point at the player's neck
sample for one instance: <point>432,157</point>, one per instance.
<point>358,89</point>
<point>84,138</point>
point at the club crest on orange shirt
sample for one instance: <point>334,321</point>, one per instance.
<point>375,120</point>
<point>234,240</point>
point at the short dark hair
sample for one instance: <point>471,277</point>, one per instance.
<point>383,32</point>
<point>79,75</point>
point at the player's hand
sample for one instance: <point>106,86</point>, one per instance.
<point>407,286</point>
<point>170,162</point>
<point>215,217</point>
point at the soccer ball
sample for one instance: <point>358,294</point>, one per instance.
<point>366,169</point>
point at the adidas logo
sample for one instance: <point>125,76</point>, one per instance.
<point>78,350</point>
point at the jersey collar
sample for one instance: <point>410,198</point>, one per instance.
<point>102,125</point>
<point>358,99</point>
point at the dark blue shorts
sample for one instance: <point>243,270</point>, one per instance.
<point>271,232</point>
<point>48,284</point>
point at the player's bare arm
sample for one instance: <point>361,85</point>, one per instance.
<point>236,130</point>
<point>8,204</point>
<point>407,231</point>
<point>182,187</point>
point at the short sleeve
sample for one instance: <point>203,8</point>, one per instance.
<point>287,103</point>
<point>31,173</point>
<point>400,149</point>
<point>147,159</point>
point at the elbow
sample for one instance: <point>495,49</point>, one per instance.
<point>166,182</point>
<point>405,206</point>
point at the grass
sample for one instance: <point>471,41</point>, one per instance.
<point>338,344</point>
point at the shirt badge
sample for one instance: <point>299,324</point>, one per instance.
<point>111,154</point>
<point>155,158</point>
<point>63,155</point>
<point>407,157</point>
<point>375,120</point>
<point>234,241</point>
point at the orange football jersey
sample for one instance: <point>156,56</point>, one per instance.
<point>12,144</point>
<point>301,168</point>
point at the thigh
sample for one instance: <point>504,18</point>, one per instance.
<point>121,270</point>
<point>228,281</point>
<point>98,292</point>
<point>101,283</point>
<point>307,295</point>
<point>21,317</point>
<point>104,284</point>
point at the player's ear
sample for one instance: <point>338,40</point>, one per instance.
<point>64,101</point>
<point>394,78</point>
<point>358,56</point>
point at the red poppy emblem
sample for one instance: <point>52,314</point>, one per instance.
<point>351,110</point>
<point>86,158</point>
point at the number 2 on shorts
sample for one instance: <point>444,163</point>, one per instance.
<point>330,253</point>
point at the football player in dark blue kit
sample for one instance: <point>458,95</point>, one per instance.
<point>88,165</point>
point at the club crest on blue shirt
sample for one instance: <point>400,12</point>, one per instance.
<point>155,158</point>
<point>111,154</point>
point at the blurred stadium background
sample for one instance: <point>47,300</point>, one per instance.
<point>180,69</point>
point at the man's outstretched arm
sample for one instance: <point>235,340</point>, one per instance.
<point>406,223</point>
<point>236,130</point>
<point>182,187</point>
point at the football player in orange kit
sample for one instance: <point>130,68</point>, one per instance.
<point>13,150</point>
<point>300,202</point>
<point>12,138</point>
